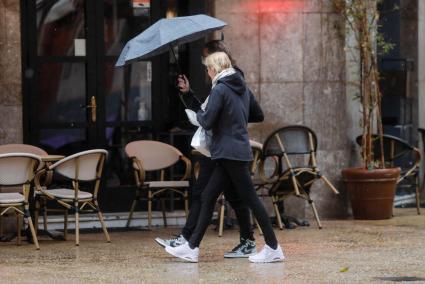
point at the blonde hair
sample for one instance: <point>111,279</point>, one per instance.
<point>218,61</point>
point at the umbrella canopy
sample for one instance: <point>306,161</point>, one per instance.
<point>165,33</point>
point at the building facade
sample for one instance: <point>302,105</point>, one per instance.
<point>290,51</point>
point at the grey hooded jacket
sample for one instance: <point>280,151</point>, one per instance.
<point>229,107</point>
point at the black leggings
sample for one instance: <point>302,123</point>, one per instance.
<point>237,173</point>
<point>241,210</point>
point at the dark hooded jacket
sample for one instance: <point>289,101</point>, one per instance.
<point>255,112</point>
<point>230,104</point>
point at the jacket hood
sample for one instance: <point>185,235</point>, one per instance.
<point>234,82</point>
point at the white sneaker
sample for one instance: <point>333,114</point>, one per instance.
<point>267,254</point>
<point>184,252</point>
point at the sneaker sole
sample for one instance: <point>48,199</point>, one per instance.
<point>239,255</point>
<point>160,242</point>
<point>267,261</point>
<point>178,256</point>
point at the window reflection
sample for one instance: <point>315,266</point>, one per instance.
<point>124,19</point>
<point>63,141</point>
<point>118,166</point>
<point>59,23</point>
<point>62,92</point>
<point>128,100</point>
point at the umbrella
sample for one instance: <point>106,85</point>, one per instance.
<point>166,33</point>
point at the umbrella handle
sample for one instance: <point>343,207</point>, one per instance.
<point>179,70</point>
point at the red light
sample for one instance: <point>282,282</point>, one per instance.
<point>273,5</point>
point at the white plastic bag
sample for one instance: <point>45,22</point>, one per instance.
<point>200,142</point>
<point>191,115</point>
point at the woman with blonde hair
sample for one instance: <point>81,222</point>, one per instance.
<point>226,115</point>
<point>246,246</point>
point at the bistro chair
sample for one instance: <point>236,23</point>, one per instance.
<point>82,167</point>
<point>153,157</point>
<point>26,148</point>
<point>399,153</point>
<point>294,150</point>
<point>18,169</point>
<point>20,148</point>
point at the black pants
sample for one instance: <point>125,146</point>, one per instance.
<point>241,210</point>
<point>237,173</point>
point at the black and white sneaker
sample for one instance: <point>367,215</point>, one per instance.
<point>173,242</point>
<point>245,249</point>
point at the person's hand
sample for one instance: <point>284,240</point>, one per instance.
<point>183,84</point>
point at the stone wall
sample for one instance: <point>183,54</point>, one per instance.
<point>294,60</point>
<point>10,73</point>
<point>10,81</point>
<point>421,77</point>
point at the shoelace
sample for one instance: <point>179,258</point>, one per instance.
<point>177,238</point>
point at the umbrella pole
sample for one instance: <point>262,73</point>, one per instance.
<point>179,71</point>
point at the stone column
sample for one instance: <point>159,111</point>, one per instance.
<point>10,73</point>
<point>10,82</point>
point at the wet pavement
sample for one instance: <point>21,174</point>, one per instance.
<point>344,251</point>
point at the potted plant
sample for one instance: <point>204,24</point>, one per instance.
<point>371,187</point>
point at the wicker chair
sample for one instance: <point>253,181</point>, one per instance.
<point>26,148</point>
<point>84,166</point>
<point>294,148</point>
<point>157,157</point>
<point>18,169</point>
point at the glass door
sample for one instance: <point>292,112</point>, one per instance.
<point>63,105</point>
<point>74,97</point>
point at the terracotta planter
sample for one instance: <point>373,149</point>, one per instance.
<point>371,192</point>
